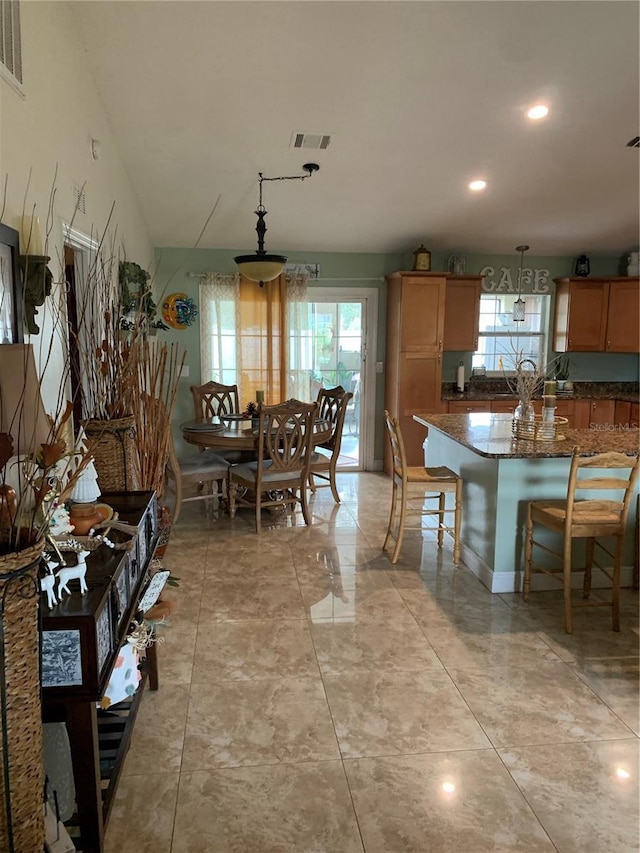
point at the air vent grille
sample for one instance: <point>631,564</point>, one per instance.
<point>79,198</point>
<point>634,143</point>
<point>316,141</point>
<point>10,39</point>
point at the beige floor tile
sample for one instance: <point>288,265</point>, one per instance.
<point>240,651</point>
<point>377,646</point>
<point>354,598</point>
<point>158,735</point>
<point>143,812</point>
<point>270,809</point>
<point>541,703</point>
<point>586,794</point>
<point>617,683</point>
<point>387,713</point>
<point>261,598</point>
<point>454,802</point>
<point>258,722</point>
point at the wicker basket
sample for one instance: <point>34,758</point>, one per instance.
<point>114,451</point>
<point>539,430</point>
<point>21,800</point>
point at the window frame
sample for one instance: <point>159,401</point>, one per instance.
<point>511,333</point>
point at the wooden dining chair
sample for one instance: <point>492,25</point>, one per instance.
<point>585,518</point>
<point>332,407</point>
<point>412,488</point>
<point>208,470</point>
<point>279,475</point>
<point>214,399</point>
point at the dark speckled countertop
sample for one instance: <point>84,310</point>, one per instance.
<point>490,435</point>
<point>492,389</point>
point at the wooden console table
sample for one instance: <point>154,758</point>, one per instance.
<point>81,638</point>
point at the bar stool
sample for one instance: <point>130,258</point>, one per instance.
<point>588,519</point>
<point>433,483</point>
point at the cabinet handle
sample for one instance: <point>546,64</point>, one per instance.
<point>608,344</point>
<point>570,342</point>
<point>439,345</point>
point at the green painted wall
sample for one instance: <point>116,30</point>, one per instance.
<point>177,269</point>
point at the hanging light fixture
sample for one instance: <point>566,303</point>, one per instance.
<point>263,266</point>
<point>519,304</point>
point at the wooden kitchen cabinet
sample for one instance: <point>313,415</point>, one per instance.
<point>623,318</point>
<point>462,313</point>
<point>504,406</point>
<point>597,315</point>
<point>634,417</point>
<point>622,413</point>
<point>413,381</point>
<point>463,407</point>
<point>589,413</point>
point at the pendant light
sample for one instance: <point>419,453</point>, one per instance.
<point>519,304</point>
<point>263,266</point>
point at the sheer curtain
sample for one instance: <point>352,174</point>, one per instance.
<point>256,337</point>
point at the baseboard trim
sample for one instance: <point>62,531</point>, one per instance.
<point>512,581</point>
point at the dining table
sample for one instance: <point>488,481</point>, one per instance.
<point>233,432</point>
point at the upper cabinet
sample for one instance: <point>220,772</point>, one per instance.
<point>462,312</point>
<point>597,315</point>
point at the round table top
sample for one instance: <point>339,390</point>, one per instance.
<point>236,434</point>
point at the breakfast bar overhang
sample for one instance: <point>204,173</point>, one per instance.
<point>501,474</point>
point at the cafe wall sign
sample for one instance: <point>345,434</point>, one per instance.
<point>505,280</point>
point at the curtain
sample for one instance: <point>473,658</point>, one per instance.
<point>219,298</point>
<point>256,337</point>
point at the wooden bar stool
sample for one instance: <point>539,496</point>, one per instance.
<point>588,519</point>
<point>430,483</point>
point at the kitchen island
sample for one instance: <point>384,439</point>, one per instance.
<point>500,475</point>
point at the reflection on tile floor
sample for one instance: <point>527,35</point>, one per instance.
<point>315,698</point>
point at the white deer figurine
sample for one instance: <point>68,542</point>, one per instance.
<point>47,584</point>
<point>71,573</point>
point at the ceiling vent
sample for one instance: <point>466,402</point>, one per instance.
<point>79,198</point>
<point>634,143</point>
<point>317,141</point>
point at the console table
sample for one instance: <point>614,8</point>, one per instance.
<point>81,638</point>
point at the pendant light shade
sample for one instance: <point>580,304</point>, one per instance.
<point>519,305</point>
<point>263,266</point>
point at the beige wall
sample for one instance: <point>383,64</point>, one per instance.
<point>45,144</point>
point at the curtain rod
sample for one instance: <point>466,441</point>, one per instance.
<point>321,278</point>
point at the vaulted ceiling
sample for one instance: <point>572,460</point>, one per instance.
<point>418,98</point>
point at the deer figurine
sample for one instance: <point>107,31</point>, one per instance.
<point>76,572</point>
<point>47,583</point>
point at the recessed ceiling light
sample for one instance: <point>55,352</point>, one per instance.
<point>476,186</point>
<point>539,111</point>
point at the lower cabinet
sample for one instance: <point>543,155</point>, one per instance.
<point>463,407</point>
<point>593,413</point>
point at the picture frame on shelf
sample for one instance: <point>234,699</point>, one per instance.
<point>11,316</point>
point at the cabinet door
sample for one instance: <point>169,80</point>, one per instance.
<point>457,407</point>
<point>565,409</point>
<point>462,314</point>
<point>634,417</point>
<point>591,413</point>
<point>422,314</point>
<point>623,326</point>
<point>622,413</point>
<point>419,392</point>
<point>581,316</point>
<point>504,406</point>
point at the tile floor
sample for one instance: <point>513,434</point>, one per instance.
<point>315,698</point>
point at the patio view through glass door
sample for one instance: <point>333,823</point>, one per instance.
<point>338,358</point>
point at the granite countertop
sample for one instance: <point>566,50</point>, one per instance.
<point>490,435</point>
<point>496,389</point>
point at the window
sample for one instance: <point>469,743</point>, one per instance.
<point>500,340</point>
<point>11,43</point>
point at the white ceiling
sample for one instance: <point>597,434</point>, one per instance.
<point>418,97</point>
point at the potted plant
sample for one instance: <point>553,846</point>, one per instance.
<point>561,373</point>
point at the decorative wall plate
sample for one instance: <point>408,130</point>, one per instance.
<point>179,311</point>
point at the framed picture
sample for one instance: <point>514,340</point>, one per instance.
<point>11,329</point>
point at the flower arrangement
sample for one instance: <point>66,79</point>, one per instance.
<point>251,410</point>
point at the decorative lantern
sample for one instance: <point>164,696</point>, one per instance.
<point>422,259</point>
<point>583,268</point>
